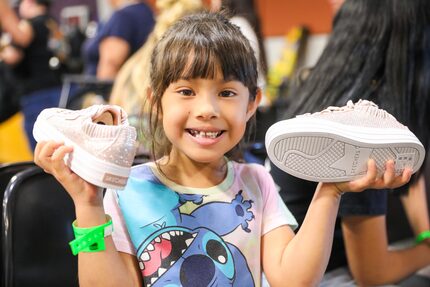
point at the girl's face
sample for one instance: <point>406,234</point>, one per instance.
<point>205,118</point>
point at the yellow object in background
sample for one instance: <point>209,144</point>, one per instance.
<point>284,69</point>
<point>13,142</point>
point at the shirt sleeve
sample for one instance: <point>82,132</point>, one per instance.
<point>119,25</point>
<point>275,212</point>
<point>120,235</point>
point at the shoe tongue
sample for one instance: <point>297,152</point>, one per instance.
<point>108,115</point>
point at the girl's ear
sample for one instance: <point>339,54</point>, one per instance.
<point>253,105</point>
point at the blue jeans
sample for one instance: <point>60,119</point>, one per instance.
<point>31,106</point>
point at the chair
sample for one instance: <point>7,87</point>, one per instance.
<point>7,171</point>
<point>81,91</point>
<point>36,220</point>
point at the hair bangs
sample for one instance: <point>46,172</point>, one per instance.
<point>206,60</point>
<point>201,63</point>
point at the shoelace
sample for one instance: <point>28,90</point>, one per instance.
<point>349,106</point>
<point>364,105</point>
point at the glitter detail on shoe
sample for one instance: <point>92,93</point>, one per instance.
<point>103,154</point>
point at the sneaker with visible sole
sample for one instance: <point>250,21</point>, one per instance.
<point>335,144</point>
<point>104,144</point>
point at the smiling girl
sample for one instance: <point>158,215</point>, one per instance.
<point>194,217</point>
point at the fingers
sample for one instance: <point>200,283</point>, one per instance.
<point>387,180</point>
<point>404,178</point>
<point>366,181</point>
<point>49,156</point>
<point>389,174</point>
<point>390,179</point>
<point>407,174</point>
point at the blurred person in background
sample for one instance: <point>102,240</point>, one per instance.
<point>335,5</point>
<point>116,40</point>
<point>378,51</point>
<point>29,53</point>
<point>244,14</point>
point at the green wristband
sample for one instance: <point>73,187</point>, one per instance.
<point>90,239</point>
<point>422,236</point>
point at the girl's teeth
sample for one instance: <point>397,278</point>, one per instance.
<point>207,135</point>
<point>202,134</point>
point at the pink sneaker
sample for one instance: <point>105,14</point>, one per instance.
<point>334,145</point>
<point>103,141</point>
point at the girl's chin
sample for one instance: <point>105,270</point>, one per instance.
<point>205,157</point>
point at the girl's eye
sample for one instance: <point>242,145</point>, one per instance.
<point>186,92</point>
<point>227,94</point>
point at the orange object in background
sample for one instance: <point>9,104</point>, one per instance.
<point>280,16</point>
<point>13,142</point>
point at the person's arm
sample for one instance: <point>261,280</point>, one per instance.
<point>113,51</point>
<point>104,268</point>
<point>415,205</point>
<point>109,267</point>
<point>370,260</point>
<point>301,260</point>
<point>20,31</point>
<point>11,55</point>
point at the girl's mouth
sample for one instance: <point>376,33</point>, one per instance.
<point>203,134</point>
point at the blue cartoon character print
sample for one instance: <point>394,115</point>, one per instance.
<point>176,249</point>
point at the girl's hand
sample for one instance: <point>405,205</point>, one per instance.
<point>50,156</point>
<point>372,181</point>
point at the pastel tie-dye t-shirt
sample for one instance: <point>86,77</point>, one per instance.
<point>186,236</point>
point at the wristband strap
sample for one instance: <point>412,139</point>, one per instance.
<point>422,236</point>
<point>90,239</point>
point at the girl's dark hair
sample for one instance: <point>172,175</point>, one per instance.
<point>197,46</point>
<point>380,51</point>
<point>248,10</point>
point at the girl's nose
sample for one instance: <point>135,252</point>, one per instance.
<point>207,107</point>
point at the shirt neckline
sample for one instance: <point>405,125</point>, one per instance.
<point>221,187</point>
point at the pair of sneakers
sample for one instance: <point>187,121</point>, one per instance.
<point>335,144</point>
<point>329,146</point>
<point>104,144</point>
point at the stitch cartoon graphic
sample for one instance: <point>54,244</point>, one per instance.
<point>171,245</point>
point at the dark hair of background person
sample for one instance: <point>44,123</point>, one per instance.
<point>46,3</point>
<point>248,10</point>
<point>378,54</point>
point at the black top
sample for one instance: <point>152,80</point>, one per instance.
<point>33,72</point>
<point>297,195</point>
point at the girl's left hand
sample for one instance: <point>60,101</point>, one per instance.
<point>372,181</point>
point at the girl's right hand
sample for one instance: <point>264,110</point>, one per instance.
<point>49,155</point>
